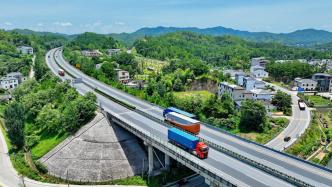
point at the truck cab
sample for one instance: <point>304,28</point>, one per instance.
<point>202,150</point>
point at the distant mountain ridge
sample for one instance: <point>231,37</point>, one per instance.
<point>302,38</point>
<point>305,38</point>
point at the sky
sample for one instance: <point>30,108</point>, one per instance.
<point>115,16</point>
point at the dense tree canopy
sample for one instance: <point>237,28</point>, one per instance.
<point>289,70</point>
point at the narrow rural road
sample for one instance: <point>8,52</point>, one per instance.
<point>298,123</point>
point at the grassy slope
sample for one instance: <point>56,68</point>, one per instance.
<point>46,144</point>
<point>204,94</point>
<point>263,138</point>
<point>308,142</point>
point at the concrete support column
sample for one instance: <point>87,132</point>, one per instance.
<point>150,157</point>
<point>213,184</point>
<point>167,162</point>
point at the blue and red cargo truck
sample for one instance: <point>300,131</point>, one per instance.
<point>188,142</point>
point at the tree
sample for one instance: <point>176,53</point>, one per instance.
<point>49,120</point>
<point>282,101</point>
<point>253,116</point>
<point>108,68</point>
<point>161,88</point>
<point>14,121</point>
<point>178,86</point>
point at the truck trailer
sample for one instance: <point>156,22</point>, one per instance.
<point>188,142</point>
<point>172,109</point>
<point>183,122</point>
<point>301,105</point>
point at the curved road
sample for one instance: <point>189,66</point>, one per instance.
<point>299,122</point>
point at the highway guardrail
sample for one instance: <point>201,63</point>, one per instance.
<point>249,161</point>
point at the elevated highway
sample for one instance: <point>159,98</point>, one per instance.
<point>228,167</point>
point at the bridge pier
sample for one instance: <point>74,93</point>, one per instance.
<point>214,184</point>
<point>167,162</point>
<point>150,157</point>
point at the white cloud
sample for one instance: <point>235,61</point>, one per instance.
<point>119,23</point>
<point>40,24</point>
<point>63,24</point>
<point>8,23</point>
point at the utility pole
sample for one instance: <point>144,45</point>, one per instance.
<point>67,178</point>
<point>143,168</point>
<point>22,179</point>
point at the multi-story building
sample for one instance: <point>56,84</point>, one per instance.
<point>306,84</point>
<point>122,76</point>
<point>236,92</point>
<point>25,50</point>
<point>323,81</point>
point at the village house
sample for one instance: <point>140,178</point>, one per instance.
<point>122,76</point>
<point>250,83</point>
<point>260,61</point>
<point>91,53</point>
<point>25,50</point>
<point>235,91</point>
<point>258,71</point>
<point>112,52</point>
<point>306,84</point>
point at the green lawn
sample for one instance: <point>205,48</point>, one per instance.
<point>317,100</point>
<point>203,94</point>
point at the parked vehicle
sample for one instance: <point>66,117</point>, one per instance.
<point>173,109</point>
<point>183,122</point>
<point>301,105</point>
<point>188,142</point>
<point>61,72</point>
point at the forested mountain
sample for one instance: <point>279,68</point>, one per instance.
<point>219,50</point>
<point>91,40</point>
<point>306,38</point>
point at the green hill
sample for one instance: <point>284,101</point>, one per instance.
<point>219,50</point>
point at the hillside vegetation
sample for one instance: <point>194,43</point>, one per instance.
<point>221,51</point>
